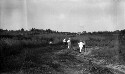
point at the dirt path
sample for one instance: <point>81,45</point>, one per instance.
<point>57,60</point>
<point>74,62</point>
<point>120,69</point>
<point>69,61</point>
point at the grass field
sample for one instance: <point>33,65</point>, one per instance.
<point>32,54</point>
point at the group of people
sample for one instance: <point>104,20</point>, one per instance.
<point>81,44</point>
<point>68,41</point>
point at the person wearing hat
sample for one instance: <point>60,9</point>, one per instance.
<point>69,43</point>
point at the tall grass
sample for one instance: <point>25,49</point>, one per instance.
<point>108,47</point>
<point>111,55</point>
<point>15,54</point>
<point>29,53</point>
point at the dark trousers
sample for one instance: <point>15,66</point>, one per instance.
<point>84,48</point>
<point>64,43</point>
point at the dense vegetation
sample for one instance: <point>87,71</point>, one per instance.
<point>23,50</point>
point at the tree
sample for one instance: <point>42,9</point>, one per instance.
<point>22,29</point>
<point>1,30</point>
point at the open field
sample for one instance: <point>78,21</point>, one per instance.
<point>32,54</point>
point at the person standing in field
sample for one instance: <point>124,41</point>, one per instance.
<point>64,41</point>
<point>81,45</point>
<point>84,46</point>
<point>69,43</point>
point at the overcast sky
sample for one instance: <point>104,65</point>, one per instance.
<point>63,15</point>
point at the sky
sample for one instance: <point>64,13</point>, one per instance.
<point>63,15</point>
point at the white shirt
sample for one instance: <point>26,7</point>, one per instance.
<point>64,40</point>
<point>81,44</point>
<point>68,41</point>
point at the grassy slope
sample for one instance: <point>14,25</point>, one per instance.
<point>44,59</point>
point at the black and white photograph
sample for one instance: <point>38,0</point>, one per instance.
<point>62,36</point>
